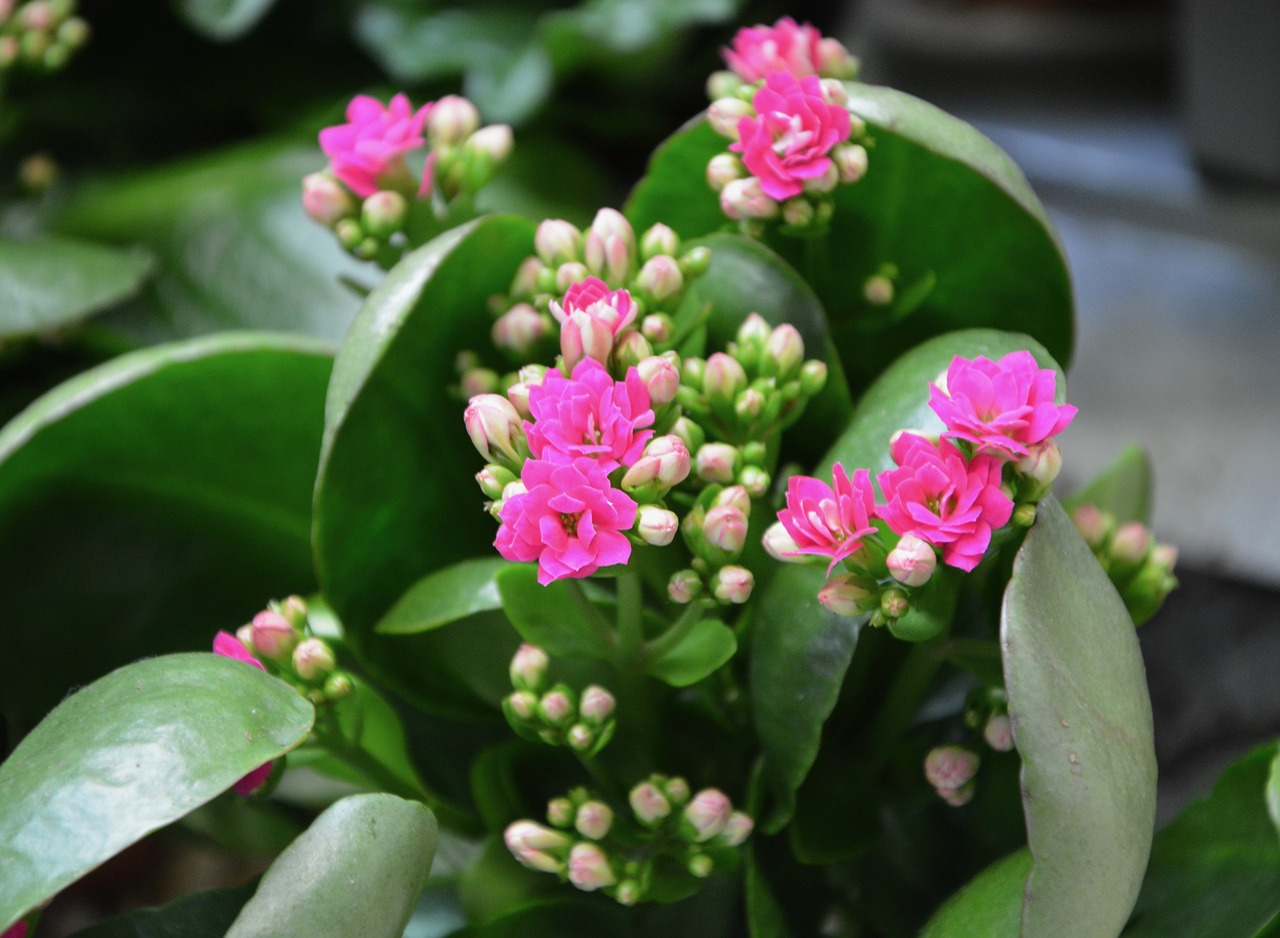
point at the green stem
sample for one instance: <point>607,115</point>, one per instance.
<point>630,622</point>
<point>592,615</point>
<point>673,636</point>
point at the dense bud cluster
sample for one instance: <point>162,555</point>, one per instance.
<point>39,35</point>
<point>555,714</point>
<point>1140,568</point>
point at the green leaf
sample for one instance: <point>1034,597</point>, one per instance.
<point>51,282</point>
<point>222,20</point>
<point>151,501</point>
<point>939,200</point>
<point>446,596</point>
<point>551,617</point>
<point>799,654</point>
<point>700,653</point>
<point>1082,724</point>
<point>392,495</point>
<point>1215,871</point>
<point>199,915</point>
<point>356,871</point>
<point>1123,488</point>
<point>233,246</point>
<point>129,754</point>
<point>989,904</point>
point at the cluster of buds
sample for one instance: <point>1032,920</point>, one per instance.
<point>952,771</point>
<point>39,35</point>
<point>1140,568</point>
<point>987,712</point>
<point>715,531</point>
<point>279,638</point>
<point>367,196</point>
<point>554,713</point>
<point>670,831</point>
<point>782,104</point>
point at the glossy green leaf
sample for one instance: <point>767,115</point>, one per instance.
<point>129,754</point>
<point>707,646</point>
<point>51,282</point>
<point>799,654</point>
<point>446,596</point>
<point>989,904</point>
<point>939,200</point>
<point>551,616</point>
<point>1123,488</point>
<point>151,501</point>
<point>356,871</point>
<point>1082,724</point>
<point>199,915</point>
<point>233,246</point>
<point>222,20</point>
<point>396,496</point>
<point>1215,871</point>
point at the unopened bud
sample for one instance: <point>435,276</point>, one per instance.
<point>494,427</point>
<point>611,223</point>
<point>524,285</point>
<point>783,353</point>
<point>656,526</point>
<point>1129,544</point>
<point>733,584</point>
<point>951,771</point>
<point>519,329</point>
<point>724,113</point>
<point>1024,515</point>
<point>676,789</point>
<point>477,381</point>
<point>706,815</point>
<point>1041,465</point>
<point>894,603</point>
<point>274,636</point>
<point>684,586</point>
<point>526,838</point>
<point>734,496</point>
<point>723,379</point>
<point>451,120</point>
<point>813,377</point>
<point>689,433</point>
<point>878,290</point>
<point>755,481</point>
<point>737,829</point>
<point>338,685</point>
<point>597,705</point>
<point>848,595</point>
<point>695,261</point>
<point>556,707</point>
<point>834,92</point>
<point>649,804</point>
<point>569,273</point>
<point>998,732</point>
<point>722,84</point>
<point>660,377</point>
<point>492,144</point>
<point>558,242</point>
<point>659,239</point>
<point>580,737</point>
<point>1094,525</point>
<point>593,819</point>
<point>528,667</point>
<point>245,636</point>
<point>726,528</point>
<point>717,462</point>
<point>701,865</point>
<point>660,278</point>
<point>560,812</point>
<point>589,867</point>
<point>780,545</point>
<point>325,200</point>
<point>912,561</point>
<point>628,893</point>
<point>834,60</point>
<point>294,609</point>
<point>657,328</point>
<point>382,213</point>
<point>850,160</point>
<point>743,199</point>
<point>313,659</point>
<point>522,705</point>
<point>722,169</point>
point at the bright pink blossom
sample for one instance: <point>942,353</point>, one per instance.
<point>944,499</point>
<point>16,930</point>
<point>368,151</point>
<point>1002,407</point>
<point>227,645</point>
<point>590,318</point>
<point>830,523</point>
<point>569,519</point>
<point>790,139</point>
<point>786,46</point>
<point>589,414</point>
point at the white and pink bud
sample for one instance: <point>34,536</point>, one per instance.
<point>659,239</point>
<point>1041,465</point>
<point>245,636</point>
<point>451,120</point>
<point>597,704</point>
<point>569,273</point>
<point>724,113</point>
<point>294,609</point>
<point>313,659</point>
<point>593,820</point>
<point>528,667</point>
<point>628,893</point>
<point>676,789</point>
<point>496,429</point>
<point>274,636</point>
<point>717,462</point>
<point>560,812</point>
<point>798,212</point>
<point>726,529</point>
<point>783,353</point>
<point>951,770</point>
<point>998,732</point>
<point>780,545</point>
<point>630,348</point>
<point>735,496</point>
<point>877,290</point>
<point>706,815</point>
<point>834,92</point>
<point>556,707</point>
<point>684,586</point>
<point>476,381</point>
<point>912,561</point>
<point>656,526</point>
<point>611,223</point>
<point>589,867</point>
<point>519,329</point>
<point>834,60</point>
<point>660,377</point>
<point>665,460</point>
<point>658,328</point>
<point>1130,544</point>
<point>524,285</point>
<point>813,377</point>
<point>822,184</point>
<point>848,595</point>
<point>722,169</point>
<point>733,584</point>
<point>744,199</point>
<point>580,737</point>
<point>522,705</point>
<point>607,256</point>
<point>537,847</point>
<point>737,829</point>
<point>755,481</point>
<point>326,200</point>
<point>557,242</point>
<point>850,160</point>
<point>1094,525</point>
<point>492,144</point>
<point>649,804</point>
<point>723,378</point>
<point>660,278</point>
<point>382,214</point>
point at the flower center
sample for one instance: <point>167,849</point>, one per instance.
<point>570,523</point>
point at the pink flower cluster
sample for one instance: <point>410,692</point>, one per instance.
<point>227,645</point>
<point>569,517</point>
<point>367,152</point>
<point>590,319</point>
<point>787,46</point>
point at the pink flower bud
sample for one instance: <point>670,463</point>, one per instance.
<point>556,707</point>
<point>477,381</point>
<point>522,704</point>
<point>659,239</point>
<point>733,584</point>
<point>589,867</point>
<point>560,812</point>
<point>749,405</point>
<point>519,329</point>
<point>847,595</point>
<point>294,609</point>
<point>850,160</point>
<point>676,789</point>
<point>783,353</point>
<point>656,526</point>
<point>735,496</point>
<point>492,143</point>
<point>593,819</point>
<point>274,636</point>
<point>820,185</point>
<point>665,460</point>
<point>660,278</point>
<point>495,428</point>
<point>737,829</point>
<point>1094,525</point>
<point>779,545</point>
<point>726,528</point>
<point>570,273</point>
<point>798,212</point>
<point>580,737</point>
<point>684,586</point>
<point>609,223</point>
<point>649,804</point>
<point>630,348</point>
<point>724,113</point>
<point>1164,557</point>
<point>744,199</point>
<point>834,92</point>
<point>557,242</point>
<point>722,169</point>
<point>707,814</point>
<point>528,667</point>
<point>597,704</point>
<point>998,732</point>
<point>1130,543</point>
<point>912,561</point>
<point>382,214</point>
<point>244,635</point>
<point>325,200</point>
<point>723,379</point>
<point>813,377</point>
<point>660,377</point>
<point>878,290</point>
<point>834,60</point>
<point>951,771</point>
<point>451,120</point>
<point>717,462</point>
<point>524,285</point>
<point>658,329</point>
<point>536,846</point>
<point>313,659</point>
<point>1042,464</point>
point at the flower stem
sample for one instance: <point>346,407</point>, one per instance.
<point>675,634</point>
<point>630,622</point>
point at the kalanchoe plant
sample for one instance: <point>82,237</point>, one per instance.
<point>764,614</point>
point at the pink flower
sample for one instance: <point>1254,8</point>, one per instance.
<point>826,522</point>
<point>227,645</point>
<point>368,151</point>
<point>785,46</point>
<point>591,415</point>
<point>1002,408</point>
<point>943,499</point>
<point>790,139</point>
<point>16,930</point>
<point>591,316</point>
<point>569,519</point>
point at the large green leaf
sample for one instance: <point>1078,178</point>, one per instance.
<point>199,915</point>
<point>1082,724</point>
<point>128,754</point>
<point>151,501</point>
<point>235,249</point>
<point>222,20</point>
<point>1123,488</point>
<point>396,496</point>
<point>940,201</point>
<point>989,904</point>
<point>445,596</point>
<point>708,645</point>
<point>549,617</point>
<point>50,282</point>
<point>356,871</point>
<point>1215,871</point>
